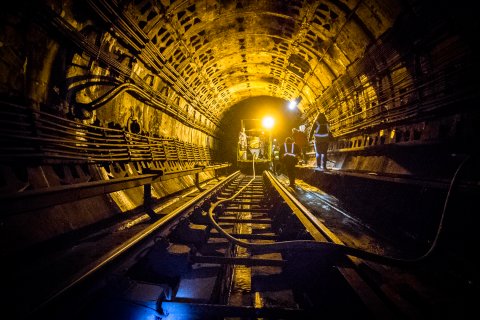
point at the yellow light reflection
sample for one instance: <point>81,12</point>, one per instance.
<point>392,134</point>
<point>268,122</point>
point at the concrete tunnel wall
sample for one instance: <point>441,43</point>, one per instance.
<point>370,69</point>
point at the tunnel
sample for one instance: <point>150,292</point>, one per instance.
<point>110,106</point>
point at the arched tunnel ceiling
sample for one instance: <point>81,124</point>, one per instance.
<point>222,52</point>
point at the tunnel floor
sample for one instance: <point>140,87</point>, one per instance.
<point>431,288</point>
<point>437,286</point>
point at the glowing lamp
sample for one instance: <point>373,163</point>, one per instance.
<point>268,122</point>
<point>292,104</point>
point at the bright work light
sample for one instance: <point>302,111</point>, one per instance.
<point>292,104</point>
<point>268,122</point>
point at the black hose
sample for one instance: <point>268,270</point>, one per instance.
<point>329,246</point>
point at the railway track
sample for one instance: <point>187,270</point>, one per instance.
<point>245,249</point>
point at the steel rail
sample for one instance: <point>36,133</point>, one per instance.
<point>90,271</point>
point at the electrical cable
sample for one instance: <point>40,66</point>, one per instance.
<point>329,246</point>
<point>237,193</point>
<point>444,210</point>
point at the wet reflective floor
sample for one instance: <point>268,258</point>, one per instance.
<point>344,224</point>
<point>441,285</point>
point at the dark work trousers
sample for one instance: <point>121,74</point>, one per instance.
<point>289,165</point>
<point>321,147</point>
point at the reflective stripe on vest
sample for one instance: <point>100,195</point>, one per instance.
<point>286,151</point>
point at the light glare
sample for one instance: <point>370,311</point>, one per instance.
<point>292,104</point>
<point>268,122</point>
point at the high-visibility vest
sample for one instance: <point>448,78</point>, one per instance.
<point>286,150</point>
